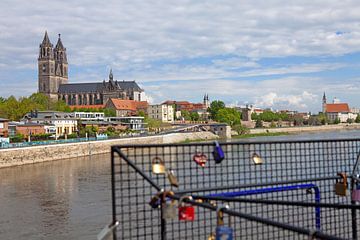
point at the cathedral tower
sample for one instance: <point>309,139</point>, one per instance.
<point>52,67</point>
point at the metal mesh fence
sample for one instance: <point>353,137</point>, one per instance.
<point>292,171</point>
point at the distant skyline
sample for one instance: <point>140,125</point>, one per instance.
<point>276,54</point>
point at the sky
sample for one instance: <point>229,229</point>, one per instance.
<point>269,53</point>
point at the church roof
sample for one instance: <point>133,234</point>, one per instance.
<point>46,40</point>
<point>81,87</point>
<point>96,87</point>
<point>59,44</point>
<point>129,85</point>
<point>337,107</point>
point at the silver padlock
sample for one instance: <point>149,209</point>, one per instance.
<point>169,209</point>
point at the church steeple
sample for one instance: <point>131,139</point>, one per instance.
<point>111,77</point>
<point>324,103</point>
<point>60,51</point>
<point>46,48</point>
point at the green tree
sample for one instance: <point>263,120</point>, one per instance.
<point>109,112</point>
<point>350,120</point>
<point>186,115</point>
<point>228,115</point>
<point>194,116</point>
<point>258,123</point>
<point>240,129</point>
<point>337,120</point>
<point>357,120</point>
<point>41,101</point>
<point>215,106</point>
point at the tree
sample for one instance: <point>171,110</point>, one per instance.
<point>186,115</point>
<point>240,129</point>
<point>215,106</point>
<point>350,120</point>
<point>258,123</point>
<point>194,116</point>
<point>357,120</point>
<point>337,120</point>
<point>228,115</point>
<point>109,112</point>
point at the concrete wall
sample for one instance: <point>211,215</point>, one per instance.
<point>27,155</point>
<point>307,128</point>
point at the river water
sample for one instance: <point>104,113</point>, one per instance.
<point>71,199</point>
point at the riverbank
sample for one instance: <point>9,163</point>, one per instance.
<point>288,130</point>
<point>264,134</point>
<point>29,155</point>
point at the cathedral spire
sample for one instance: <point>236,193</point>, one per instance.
<point>46,40</point>
<point>59,44</point>
<point>111,77</point>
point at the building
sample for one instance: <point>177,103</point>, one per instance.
<point>65,123</point>
<point>52,67</point>
<point>337,110</point>
<point>29,129</point>
<point>135,123</point>
<point>125,108</point>
<point>99,116</point>
<point>4,127</point>
<point>162,112</point>
<point>53,80</point>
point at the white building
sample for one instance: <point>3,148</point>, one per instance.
<point>163,112</point>
<point>90,115</point>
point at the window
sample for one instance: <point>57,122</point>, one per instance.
<point>1,125</point>
<point>44,68</point>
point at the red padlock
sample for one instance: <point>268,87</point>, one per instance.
<point>200,158</point>
<point>186,212</point>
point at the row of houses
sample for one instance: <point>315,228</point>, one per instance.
<point>62,123</point>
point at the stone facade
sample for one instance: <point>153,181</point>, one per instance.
<point>52,67</point>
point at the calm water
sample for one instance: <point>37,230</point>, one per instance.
<point>70,199</point>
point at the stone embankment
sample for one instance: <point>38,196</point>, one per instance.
<point>336,127</point>
<point>28,155</point>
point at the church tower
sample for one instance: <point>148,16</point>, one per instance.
<point>324,103</point>
<point>52,67</point>
<point>206,101</point>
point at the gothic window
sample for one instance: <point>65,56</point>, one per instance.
<point>44,87</point>
<point>65,71</point>
<point>44,68</point>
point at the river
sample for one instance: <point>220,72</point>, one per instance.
<point>71,199</point>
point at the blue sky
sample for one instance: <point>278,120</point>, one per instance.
<point>277,54</point>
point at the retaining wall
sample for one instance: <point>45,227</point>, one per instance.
<point>27,155</point>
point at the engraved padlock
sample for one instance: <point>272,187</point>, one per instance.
<point>211,236</point>
<point>169,209</point>
<point>200,158</point>
<point>218,153</point>
<point>340,186</point>
<point>186,212</point>
<point>222,232</point>
<point>355,195</point>
<point>158,166</point>
<point>172,178</point>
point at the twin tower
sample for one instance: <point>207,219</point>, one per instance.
<point>53,67</point>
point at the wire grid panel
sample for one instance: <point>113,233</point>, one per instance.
<point>285,163</point>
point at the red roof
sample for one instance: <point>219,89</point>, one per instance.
<point>337,107</point>
<point>131,105</point>
<point>99,106</point>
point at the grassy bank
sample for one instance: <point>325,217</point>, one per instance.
<point>268,134</point>
<point>198,140</point>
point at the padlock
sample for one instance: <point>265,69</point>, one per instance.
<point>200,158</point>
<point>155,200</point>
<point>169,210</point>
<point>222,232</point>
<point>218,153</point>
<point>211,236</point>
<point>172,178</point>
<point>158,166</point>
<point>186,212</point>
<point>257,159</point>
<point>355,195</point>
<point>340,187</point>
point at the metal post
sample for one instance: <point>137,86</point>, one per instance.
<point>163,221</point>
<point>113,191</point>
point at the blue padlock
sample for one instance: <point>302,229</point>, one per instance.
<point>218,153</point>
<point>222,232</point>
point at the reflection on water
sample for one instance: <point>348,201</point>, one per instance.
<point>67,199</point>
<point>71,199</point>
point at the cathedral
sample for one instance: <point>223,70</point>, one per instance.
<point>53,80</point>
